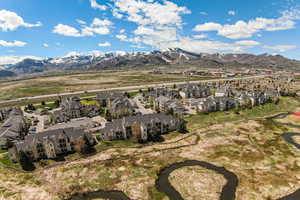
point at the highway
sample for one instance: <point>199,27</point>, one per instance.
<point>124,88</point>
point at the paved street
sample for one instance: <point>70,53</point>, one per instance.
<point>141,107</point>
<point>40,125</point>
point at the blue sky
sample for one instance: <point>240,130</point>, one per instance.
<point>55,28</point>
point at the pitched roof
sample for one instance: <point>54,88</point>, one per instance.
<point>140,119</point>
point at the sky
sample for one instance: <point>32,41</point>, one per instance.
<point>56,28</point>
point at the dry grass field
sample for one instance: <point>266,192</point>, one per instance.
<point>82,82</point>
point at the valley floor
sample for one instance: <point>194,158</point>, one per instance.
<point>81,82</point>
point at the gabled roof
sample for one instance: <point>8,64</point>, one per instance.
<point>118,124</point>
<point>13,126</point>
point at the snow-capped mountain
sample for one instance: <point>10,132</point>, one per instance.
<point>114,60</point>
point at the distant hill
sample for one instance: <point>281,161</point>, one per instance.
<point>5,74</point>
<point>154,58</point>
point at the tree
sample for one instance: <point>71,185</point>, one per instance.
<point>26,162</point>
<point>126,94</point>
<point>182,126</point>
<point>57,103</point>
<point>108,116</point>
<point>30,107</point>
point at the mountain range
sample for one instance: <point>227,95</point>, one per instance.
<point>117,60</point>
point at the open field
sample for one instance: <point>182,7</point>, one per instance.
<point>244,143</point>
<point>82,82</point>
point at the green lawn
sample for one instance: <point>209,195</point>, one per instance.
<point>90,102</point>
<point>48,105</point>
<point>5,161</point>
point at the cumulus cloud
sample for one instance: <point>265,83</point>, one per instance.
<point>98,26</point>
<point>121,37</point>
<point>231,12</point>
<point>95,5</point>
<point>66,30</point>
<point>280,48</point>
<point>203,13</point>
<point>200,36</point>
<point>46,45</point>
<point>209,26</point>
<point>100,22</point>
<point>92,53</point>
<point>10,21</point>
<point>6,60</point>
<point>242,29</point>
<point>15,43</point>
<point>208,46</point>
<point>247,42</point>
<point>146,13</point>
<point>105,44</point>
<point>158,21</point>
<point>159,24</point>
<point>79,21</point>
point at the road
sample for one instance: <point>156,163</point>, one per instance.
<point>125,88</point>
<point>41,120</point>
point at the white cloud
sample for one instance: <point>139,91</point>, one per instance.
<point>79,21</point>
<point>89,31</point>
<point>156,36</point>
<point>72,54</point>
<point>200,36</point>
<point>203,13</point>
<point>10,21</point>
<point>158,21</point>
<point>105,44</point>
<point>6,60</point>
<point>201,46</point>
<point>121,37</point>
<point>159,25</point>
<point>95,5</point>
<point>66,30</point>
<point>45,45</point>
<point>242,29</point>
<point>122,31</point>
<point>98,26</point>
<point>146,13</point>
<point>247,42</point>
<point>15,43</point>
<point>91,53</point>
<point>99,22</point>
<point>280,48</point>
<point>209,26</point>
<point>231,12</point>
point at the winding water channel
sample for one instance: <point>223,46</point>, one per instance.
<point>163,184</point>
<point>228,191</point>
<point>112,195</point>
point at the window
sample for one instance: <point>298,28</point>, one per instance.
<point>62,145</point>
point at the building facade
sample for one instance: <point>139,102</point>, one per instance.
<point>50,144</point>
<point>140,128</point>
<point>72,108</point>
